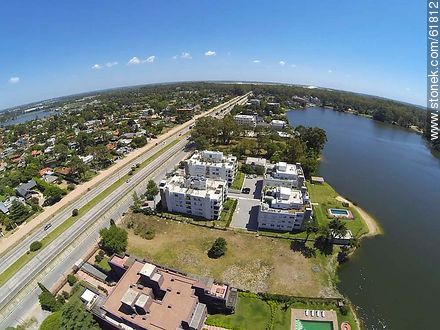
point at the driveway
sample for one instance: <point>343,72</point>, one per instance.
<point>246,213</point>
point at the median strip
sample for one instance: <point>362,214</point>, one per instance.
<point>24,259</point>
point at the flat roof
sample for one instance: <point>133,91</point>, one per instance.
<point>177,305</point>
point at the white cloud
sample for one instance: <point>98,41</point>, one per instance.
<point>14,80</point>
<point>96,67</point>
<point>282,63</point>
<point>110,64</point>
<point>134,61</point>
<point>330,71</point>
<point>174,57</point>
<point>408,89</point>
<point>210,53</point>
<point>186,56</point>
<point>293,65</point>
<point>256,61</point>
<point>150,59</point>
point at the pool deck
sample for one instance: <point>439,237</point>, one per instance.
<point>299,314</point>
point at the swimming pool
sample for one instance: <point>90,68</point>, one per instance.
<point>313,325</point>
<point>340,213</point>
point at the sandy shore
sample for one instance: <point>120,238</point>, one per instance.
<point>49,212</point>
<point>374,228</point>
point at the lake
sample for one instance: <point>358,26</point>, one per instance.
<point>394,279</point>
<point>28,116</point>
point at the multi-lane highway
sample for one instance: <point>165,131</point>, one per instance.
<point>58,256</point>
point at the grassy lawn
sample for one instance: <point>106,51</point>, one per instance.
<point>251,313</point>
<point>103,264</point>
<point>238,180</point>
<point>228,211</point>
<point>258,264</point>
<point>325,196</point>
<point>254,313</point>
<point>24,259</point>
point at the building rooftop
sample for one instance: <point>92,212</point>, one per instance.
<point>196,186</point>
<point>177,305</point>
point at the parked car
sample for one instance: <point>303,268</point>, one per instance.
<point>246,190</point>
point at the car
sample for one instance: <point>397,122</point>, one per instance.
<point>246,190</point>
<point>47,226</point>
<point>127,181</point>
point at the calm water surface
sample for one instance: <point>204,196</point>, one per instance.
<point>393,279</point>
<point>25,117</point>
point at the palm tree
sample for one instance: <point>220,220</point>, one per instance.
<point>338,228</point>
<point>311,227</point>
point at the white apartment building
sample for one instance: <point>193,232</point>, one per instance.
<point>194,195</point>
<point>284,209</point>
<point>249,120</point>
<point>277,124</point>
<point>212,164</point>
<point>285,175</point>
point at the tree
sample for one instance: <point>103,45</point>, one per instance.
<point>338,228</point>
<point>74,316</point>
<point>114,239</point>
<point>152,190</point>
<point>35,246</point>
<point>71,279</point>
<point>18,212</point>
<point>218,249</point>
<point>47,300</point>
<point>311,227</point>
<point>75,212</point>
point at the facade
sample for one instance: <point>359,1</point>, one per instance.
<point>212,164</point>
<point>285,175</point>
<point>284,209</point>
<point>194,195</point>
<point>147,296</point>
<point>249,120</point>
<point>254,161</point>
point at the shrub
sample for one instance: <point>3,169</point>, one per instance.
<point>98,258</point>
<point>35,246</point>
<point>48,301</point>
<point>218,248</point>
<point>71,279</point>
<point>70,186</point>
<point>343,309</point>
<point>65,294</point>
<point>75,212</point>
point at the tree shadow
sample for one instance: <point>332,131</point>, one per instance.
<point>300,246</point>
<point>324,245</point>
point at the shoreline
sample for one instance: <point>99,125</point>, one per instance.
<point>373,225</point>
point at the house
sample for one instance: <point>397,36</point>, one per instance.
<point>194,196</point>
<point>86,159</point>
<point>25,189</point>
<point>212,164</point>
<point>6,205</point>
<point>148,296</point>
<point>45,171</point>
<point>36,153</point>
<point>342,240</point>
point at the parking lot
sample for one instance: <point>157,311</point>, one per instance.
<point>245,215</point>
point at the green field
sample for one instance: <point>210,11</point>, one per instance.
<point>254,314</point>
<point>24,259</point>
<point>325,196</point>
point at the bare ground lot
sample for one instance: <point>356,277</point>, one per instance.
<point>258,264</point>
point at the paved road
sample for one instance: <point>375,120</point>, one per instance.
<point>20,288</point>
<point>63,263</point>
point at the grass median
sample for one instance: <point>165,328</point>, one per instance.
<point>50,237</point>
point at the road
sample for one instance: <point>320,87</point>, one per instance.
<point>21,288</point>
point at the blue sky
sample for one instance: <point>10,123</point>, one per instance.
<point>55,48</point>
